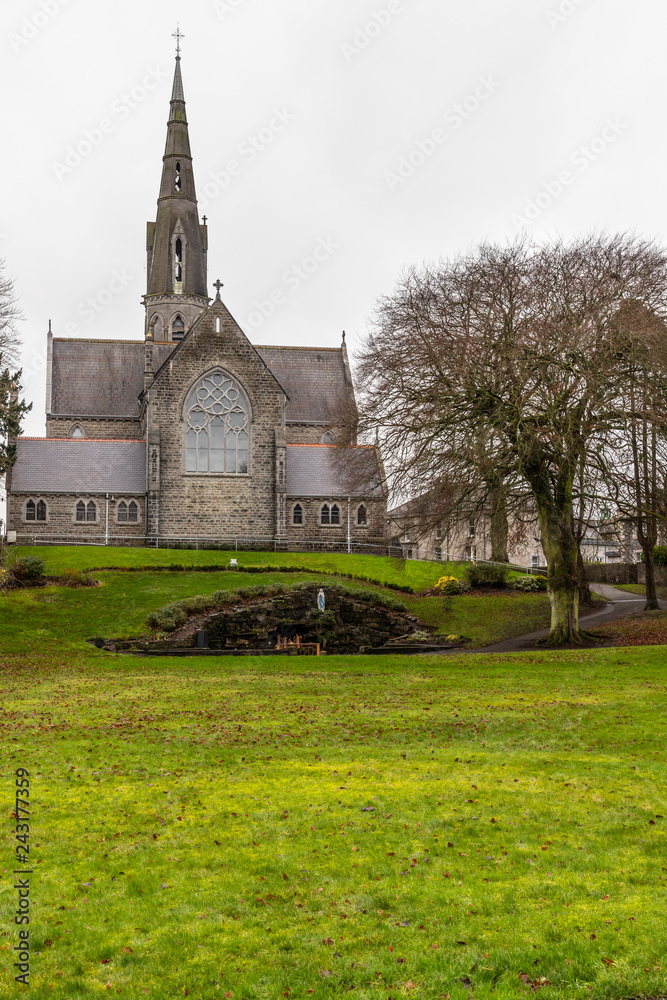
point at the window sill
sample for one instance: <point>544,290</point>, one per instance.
<point>218,475</point>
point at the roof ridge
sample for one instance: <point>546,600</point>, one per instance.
<point>95,340</point>
<point>285,347</point>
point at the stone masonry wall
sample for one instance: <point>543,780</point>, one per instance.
<point>214,505</point>
<point>61,517</point>
<point>306,433</point>
<point>372,533</point>
<point>107,430</point>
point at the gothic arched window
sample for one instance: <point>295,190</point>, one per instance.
<point>362,516</point>
<point>177,181</point>
<point>133,513</point>
<point>335,514</point>
<point>217,421</point>
<point>177,330</point>
<point>297,514</point>
<point>329,438</point>
<point>35,510</point>
<point>77,431</point>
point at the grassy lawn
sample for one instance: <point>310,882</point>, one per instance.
<point>484,619</point>
<point>386,827</point>
<point>200,826</point>
<point>120,606</point>
<point>639,588</point>
<point>410,573</point>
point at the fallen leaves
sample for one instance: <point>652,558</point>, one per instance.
<point>535,984</point>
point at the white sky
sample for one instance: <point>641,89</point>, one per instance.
<point>552,82</point>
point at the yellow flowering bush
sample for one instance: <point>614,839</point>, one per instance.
<point>448,586</point>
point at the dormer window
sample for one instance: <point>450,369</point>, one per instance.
<point>177,330</point>
<point>77,431</point>
<point>177,182</point>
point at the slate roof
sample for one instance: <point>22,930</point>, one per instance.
<point>100,378</point>
<point>58,465</point>
<point>314,379</point>
<point>315,470</point>
<point>104,378</point>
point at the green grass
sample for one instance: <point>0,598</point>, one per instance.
<point>640,588</point>
<point>484,619</point>
<point>110,612</point>
<point>200,824</point>
<point>410,573</point>
<point>197,825</point>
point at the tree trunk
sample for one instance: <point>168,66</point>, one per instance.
<point>651,592</point>
<point>563,578</point>
<point>499,532</point>
<point>499,526</point>
<point>584,589</point>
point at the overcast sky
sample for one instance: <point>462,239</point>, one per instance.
<point>384,133</point>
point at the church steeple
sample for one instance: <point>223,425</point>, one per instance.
<point>176,242</point>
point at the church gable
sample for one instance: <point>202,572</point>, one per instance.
<point>216,340</point>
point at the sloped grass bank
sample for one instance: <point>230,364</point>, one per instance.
<point>365,827</point>
<point>32,619</point>
<point>410,574</point>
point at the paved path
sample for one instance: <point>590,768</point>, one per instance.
<point>622,604</point>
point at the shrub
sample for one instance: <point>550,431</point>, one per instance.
<point>171,617</point>
<point>28,568</point>
<point>659,555</point>
<point>449,586</point>
<point>486,575</point>
<point>76,578</point>
<point>167,619</point>
<point>530,584</point>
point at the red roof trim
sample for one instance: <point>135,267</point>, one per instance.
<point>370,446</point>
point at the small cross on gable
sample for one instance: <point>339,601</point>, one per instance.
<point>218,285</point>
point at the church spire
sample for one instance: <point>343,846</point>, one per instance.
<point>177,243</point>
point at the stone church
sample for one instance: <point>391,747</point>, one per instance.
<point>193,433</point>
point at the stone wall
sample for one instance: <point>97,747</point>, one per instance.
<point>306,433</point>
<point>346,626</point>
<point>118,429</point>
<point>372,533</point>
<point>213,505</point>
<point>61,517</point>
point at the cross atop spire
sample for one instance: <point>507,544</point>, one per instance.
<point>178,35</point>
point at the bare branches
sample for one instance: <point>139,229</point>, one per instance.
<point>10,316</point>
<point>510,365</point>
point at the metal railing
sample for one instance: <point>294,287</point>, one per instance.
<point>258,544</point>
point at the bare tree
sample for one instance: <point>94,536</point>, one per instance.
<point>520,346</point>
<point>12,408</point>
